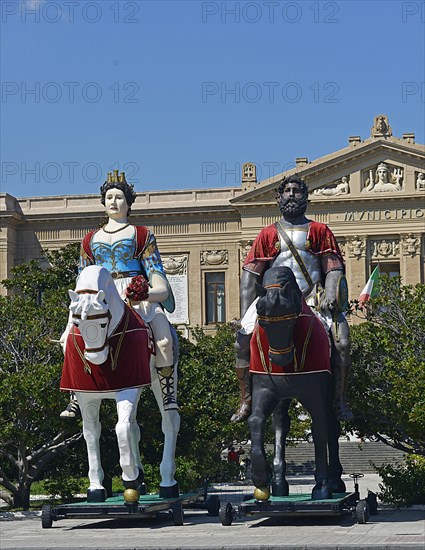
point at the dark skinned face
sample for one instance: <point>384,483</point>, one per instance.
<point>292,202</point>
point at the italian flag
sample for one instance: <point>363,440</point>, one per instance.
<point>370,290</point>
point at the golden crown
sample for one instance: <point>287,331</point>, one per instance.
<point>114,177</point>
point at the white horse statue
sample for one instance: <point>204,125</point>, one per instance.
<point>110,354</point>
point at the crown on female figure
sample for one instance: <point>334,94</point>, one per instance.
<point>115,178</point>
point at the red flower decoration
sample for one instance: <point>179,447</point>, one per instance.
<point>138,289</point>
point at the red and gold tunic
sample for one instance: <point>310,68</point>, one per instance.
<point>321,241</point>
<point>127,365</point>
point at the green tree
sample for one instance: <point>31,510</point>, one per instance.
<point>31,434</point>
<point>387,388</point>
<point>208,394</point>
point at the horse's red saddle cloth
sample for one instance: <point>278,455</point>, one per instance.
<point>311,342</point>
<point>127,366</point>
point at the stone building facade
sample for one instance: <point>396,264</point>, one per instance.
<point>371,194</point>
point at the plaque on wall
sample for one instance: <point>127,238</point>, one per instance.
<point>176,270</point>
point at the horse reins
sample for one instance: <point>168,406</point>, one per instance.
<point>94,350</point>
<point>276,351</point>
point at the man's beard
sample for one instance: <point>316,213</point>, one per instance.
<point>293,208</point>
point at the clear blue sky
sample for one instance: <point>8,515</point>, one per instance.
<point>147,85</point>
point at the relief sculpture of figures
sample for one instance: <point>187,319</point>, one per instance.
<point>296,268</point>
<point>341,188</point>
<point>383,180</point>
<point>420,182</point>
<point>118,339</point>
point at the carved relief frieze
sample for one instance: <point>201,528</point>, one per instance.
<point>329,173</point>
<point>341,187</point>
<point>342,243</point>
<point>357,247</point>
<point>214,257</point>
<point>175,265</point>
<point>244,248</point>
<point>411,244</point>
<point>420,181</point>
<point>382,178</point>
<point>384,248</point>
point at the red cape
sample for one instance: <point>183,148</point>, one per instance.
<point>132,364</point>
<point>266,246</point>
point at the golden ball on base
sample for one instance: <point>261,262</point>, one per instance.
<point>131,496</point>
<point>261,493</point>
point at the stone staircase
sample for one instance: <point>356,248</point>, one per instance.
<point>355,457</point>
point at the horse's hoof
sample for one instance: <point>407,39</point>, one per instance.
<point>321,491</point>
<point>280,488</point>
<point>337,486</point>
<point>262,493</point>
<point>169,492</point>
<point>96,495</point>
<point>137,483</point>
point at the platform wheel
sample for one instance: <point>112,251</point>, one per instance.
<point>178,514</point>
<point>362,512</point>
<point>46,517</point>
<point>213,505</point>
<point>226,514</point>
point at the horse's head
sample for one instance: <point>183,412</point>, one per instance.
<point>279,304</point>
<point>94,304</point>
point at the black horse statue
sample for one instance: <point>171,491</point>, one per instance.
<point>290,360</point>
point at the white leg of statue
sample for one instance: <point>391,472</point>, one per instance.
<point>128,433</point>
<point>170,427</point>
<point>90,406</point>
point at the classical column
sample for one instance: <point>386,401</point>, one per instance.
<point>356,264</point>
<point>410,258</point>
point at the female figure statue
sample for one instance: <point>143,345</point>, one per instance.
<point>127,251</point>
<point>383,180</point>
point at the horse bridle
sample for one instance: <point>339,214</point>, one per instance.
<point>91,317</point>
<point>276,319</point>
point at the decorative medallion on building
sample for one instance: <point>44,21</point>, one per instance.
<point>410,244</point>
<point>175,265</point>
<point>214,257</point>
<point>420,181</point>
<point>384,248</point>
<point>341,187</point>
<point>381,127</point>
<point>382,178</point>
<point>357,247</point>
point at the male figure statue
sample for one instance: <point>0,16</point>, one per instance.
<point>310,250</point>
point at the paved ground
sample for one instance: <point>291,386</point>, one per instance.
<point>390,529</point>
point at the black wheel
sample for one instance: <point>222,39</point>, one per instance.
<point>178,514</point>
<point>362,512</point>
<point>213,505</point>
<point>46,517</point>
<point>226,514</point>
